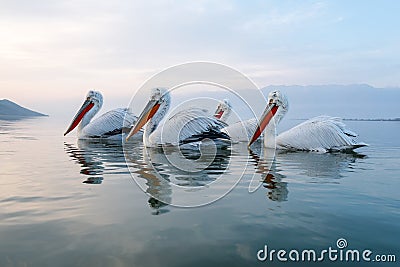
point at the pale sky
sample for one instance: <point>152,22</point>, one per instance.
<point>61,49</point>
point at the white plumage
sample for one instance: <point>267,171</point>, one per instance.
<point>241,131</point>
<point>107,126</point>
<point>187,128</point>
<point>322,133</point>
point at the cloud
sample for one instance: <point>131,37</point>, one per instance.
<point>77,45</point>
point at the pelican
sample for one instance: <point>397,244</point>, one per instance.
<point>108,126</point>
<point>223,110</point>
<point>320,134</point>
<point>187,129</point>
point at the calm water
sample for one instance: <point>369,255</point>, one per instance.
<point>69,203</point>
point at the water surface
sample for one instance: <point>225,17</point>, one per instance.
<point>69,203</point>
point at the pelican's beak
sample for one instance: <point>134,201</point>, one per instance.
<point>219,114</point>
<point>148,112</point>
<point>266,117</point>
<point>86,106</point>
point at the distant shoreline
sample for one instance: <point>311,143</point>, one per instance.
<point>395,119</point>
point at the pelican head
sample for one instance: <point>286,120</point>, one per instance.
<point>223,110</point>
<point>276,108</point>
<point>157,106</point>
<point>89,108</point>
<point>279,99</point>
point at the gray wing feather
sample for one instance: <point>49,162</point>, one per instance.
<point>322,133</point>
<point>109,122</point>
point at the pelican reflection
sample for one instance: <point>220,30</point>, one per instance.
<point>314,167</point>
<point>161,171</point>
<point>96,158</point>
<point>317,167</point>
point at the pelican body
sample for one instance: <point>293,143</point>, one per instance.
<point>321,134</point>
<point>107,126</point>
<point>187,129</point>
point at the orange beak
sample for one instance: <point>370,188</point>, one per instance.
<point>268,114</point>
<point>86,106</point>
<point>148,112</point>
<point>219,114</point>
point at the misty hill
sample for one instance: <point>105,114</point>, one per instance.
<point>358,101</point>
<point>10,110</point>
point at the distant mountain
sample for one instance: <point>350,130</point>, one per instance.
<point>10,110</point>
<point>347,101</point>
